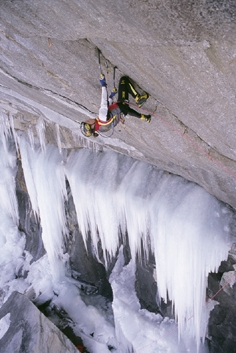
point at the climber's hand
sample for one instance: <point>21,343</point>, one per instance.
<point>113,92</point>
<point>103,80</point>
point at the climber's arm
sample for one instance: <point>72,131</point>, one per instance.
<point>104,99</point>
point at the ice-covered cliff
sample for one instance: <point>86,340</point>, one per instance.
<point>183,53</point>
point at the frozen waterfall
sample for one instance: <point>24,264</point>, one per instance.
<point>179,222</point>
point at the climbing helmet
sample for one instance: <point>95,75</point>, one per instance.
<point>86,129</point>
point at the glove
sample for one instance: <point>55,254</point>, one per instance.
<point>113,92</point>
<point>103,80</point>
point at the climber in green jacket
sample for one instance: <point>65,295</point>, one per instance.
<point>110,112</point>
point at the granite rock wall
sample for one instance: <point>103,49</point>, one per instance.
<point>181,52</point>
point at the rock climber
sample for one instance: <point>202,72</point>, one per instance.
<point>110,112</point>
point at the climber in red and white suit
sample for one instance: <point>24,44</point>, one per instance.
<point>110,112</point>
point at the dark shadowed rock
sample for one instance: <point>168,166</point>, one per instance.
<point>29,223</point>
<point>146,288</point>
<point>85,267</point>
<point>222,322</point>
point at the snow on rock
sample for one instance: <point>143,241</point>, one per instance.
<point>29,330</point>
<point>147,332</point>
<point>4,324</point>
<point>12,242</point>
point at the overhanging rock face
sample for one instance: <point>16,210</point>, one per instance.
<point>28,330</point>
<point>181,52</point>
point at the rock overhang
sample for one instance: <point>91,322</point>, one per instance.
<point>49,71</point>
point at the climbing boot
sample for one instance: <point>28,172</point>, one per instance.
<point>141,99</point>
<point>147,118</point>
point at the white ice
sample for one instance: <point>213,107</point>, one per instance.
<point>12,242</point>
<point>184,227</point>
<point>4,324</point>
<point>147,331</point>
<point>45,180</point>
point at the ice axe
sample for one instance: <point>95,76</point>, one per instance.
<point>99,61</point>
<point>114,77</point>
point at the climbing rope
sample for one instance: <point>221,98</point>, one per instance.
<point>106,136</point>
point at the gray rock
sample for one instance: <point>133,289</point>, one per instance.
<point>84,266</point>
<point>181,52</point>
<point>30,331</point>
<point>29,224</point>
<point>222,322</point>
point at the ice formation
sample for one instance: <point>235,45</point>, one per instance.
<point>45,180</point>
<point>11,241</point>
<point>184,227</point>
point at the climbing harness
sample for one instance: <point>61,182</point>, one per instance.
<point>114,90</point>
<point>115,118</point>
<point>112,132</point>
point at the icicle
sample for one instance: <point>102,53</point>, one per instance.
<point>12,242</point>
<point>13,131</point>
<point>40,127</point>
<point>136,328</point>
<point>189,242</point>
<point>58,137</point>
<point>4,129</point>
<point>93,179</point>
<point>31,136</point>
<point>185,227</point>
<point>8,169</point>
<point>45,180</point>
